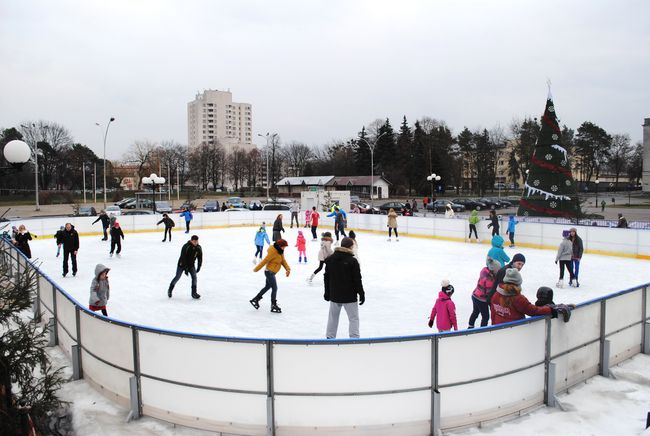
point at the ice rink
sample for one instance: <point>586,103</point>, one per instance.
<point>401,281</point>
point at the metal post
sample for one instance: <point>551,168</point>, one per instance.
<point>549,369</point>
<point>51,329</point>
<point>270,403</point>
<point>83,175</point>
<point>435,393</point>
<point>178,184</point>
<point>77,321</point>
<point>77,373</point>
<point>104,162</point>
<point>645,333</point>
<point>36,306</point>
<point>54,334</point>
<point>36,173</point>
<point>95,182</point>
<point>134,382</point>
<point>372,178</point>
<point>604,344</point>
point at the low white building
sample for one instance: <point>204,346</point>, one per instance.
<point>360,186</point>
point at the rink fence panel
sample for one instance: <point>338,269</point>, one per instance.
<point>281,386</point>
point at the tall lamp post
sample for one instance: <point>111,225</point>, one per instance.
<point>17,153</point>
<point>597,183</point>
<point>154,181</point>
<point>433,178</point>
<point>34,149</point>
<point>104,163</point>
<point>271,137</point>
<point>372,167</point>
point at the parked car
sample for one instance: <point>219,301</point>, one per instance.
<point>124,201</point>
<point>490,203</point>
<point>113,210</point>
<point>211,206</point>
<point>441,206</point>
<point>499,202</point>
<point>235,202</point>
<point>470,203</point>
<point>163,207</point>
<point>364,208</point>
<point>400,208</point>
<point>255,205</point>
<point>354,199</point>
<point>137,212</point>
<point>276,206</point>
<point>143,203</point>
<point>86,211</point>
<point>188,205</point>
<point>236,209</point>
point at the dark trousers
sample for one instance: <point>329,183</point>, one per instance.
<point>320,267</point>
<point>179,273</point>
<point>118,243</point>
<point>105,234</point>
<point>495,230</point>
<point>258,250</point>
<point>511,235</point>
<point>187,226</point>
<point>340,230</point>
<point>481,307</point>
<point>313,231</point>
<point>294,215</point>
<point>390,229</point>
<point>271,283</point>
<point>73,257</point>
<point>167,230</point>
<point>472,228</point>
<point>566,264</point>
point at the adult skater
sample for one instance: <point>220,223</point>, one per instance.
<point>116,238</point>
<point>510,231</point>
<point>99,290</point>
<point>497,253</point>
<point>295,210</point>
<point>449,212</point>
<point>315,216</point>
<point>70,248</point>
<point>278,228</point>
<point>355,247</point>
<point>473,220</point>
<point>103,217</point>
<point>508,304</point>
<point>187,214</point>
<point>622,222</point>
<point>576,257</point>
<point>342,280</point>
<point>22,241</point>
<point>260,237</point>
<point>191,253</point>
<point>392,224</point>
<point>564,255</point>
<point>518,262</point>
<point>58,236</point>
<point>494,223</point>
<point>340,220</point>
<point>169,224</point>
<point>480,298</point>
<point>274,260</point>
<point>324,252</point>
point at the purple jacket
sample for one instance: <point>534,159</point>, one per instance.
<point>445,310</point>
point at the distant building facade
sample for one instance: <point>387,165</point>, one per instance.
<point>645,182</point>
<point>357,185</point>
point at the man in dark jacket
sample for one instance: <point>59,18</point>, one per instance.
<point>169,224</point>
<point>342,285</point>
<point>518,261</point>
<point>70,248</point>
<point>622,221</point>
<point>190,253</point>
<point>105,223</point>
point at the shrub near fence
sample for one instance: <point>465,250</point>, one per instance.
<point>405,385</point>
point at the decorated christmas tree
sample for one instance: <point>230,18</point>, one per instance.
<point>549,189</point>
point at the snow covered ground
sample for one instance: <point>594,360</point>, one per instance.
<point>401,280</point>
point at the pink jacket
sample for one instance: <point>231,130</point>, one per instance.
<point>300,243</point>
<point>308,215</point>
<point>445,310</point>
<point>484,285</point>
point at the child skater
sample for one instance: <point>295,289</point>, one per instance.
<point>300,243</point>
<point>444,309</point>
<point>116,238</point>
<point>324,252</point>
<point>260,237</point>
<point>99,290</point>
<point>512,222</point>
<point>308,218</point>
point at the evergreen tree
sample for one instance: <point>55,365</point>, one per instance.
<point>420,169</point>
<point>465,142</point>
<point>549,189</point>
<point>362,153</point>
<point>385,161</point>
<point>485,153</point>
<point>405,157</point>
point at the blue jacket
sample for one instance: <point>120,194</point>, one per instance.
<point>341,211</point>
<point>261,236</point>
<point>187,214</point>
<point>497,253</point>
<point>511,224</point>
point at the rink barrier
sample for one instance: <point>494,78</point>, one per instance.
<point>406,384</point>
<point>633,243</point>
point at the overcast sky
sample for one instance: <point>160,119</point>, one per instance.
<point>316,71</point>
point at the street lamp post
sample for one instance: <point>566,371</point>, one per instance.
<point>104,163</point>
<point>597,183</point>
<point>154,181</point>
<point>433,178</point>
<point>267,136</point>
<point>372,168</point>
<point>17,153</point>
<point>34,149</point>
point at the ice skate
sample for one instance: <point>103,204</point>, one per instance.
<point>577,285</point>
<point>119,255</point>
<point>164,240</point>
<point>255,261</point>
<point>169,293</point>
<point>275,308</point>
<point>389,239</point>
<point>195,295</point>
<point>396,239</point>
<point>560,283</point>
<point>110,254</point>
<point>305,260</point>
<point>571,283</point>
<point>255,302</point>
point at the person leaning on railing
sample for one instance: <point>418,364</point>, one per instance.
<point>508,304</point>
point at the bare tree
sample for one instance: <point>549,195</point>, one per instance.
<point>199,165</point>
<point>429,124</point>
<point>619,154</point>
<point>143,154</point>
<point>53,141</point>
<point>216,159</point>
<point>297,155</point>
<point>237,167</point>
<point>253,167</point>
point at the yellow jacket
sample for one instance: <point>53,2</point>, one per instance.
<point>273,261</point>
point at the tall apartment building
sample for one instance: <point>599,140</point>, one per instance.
<point>214,116</point>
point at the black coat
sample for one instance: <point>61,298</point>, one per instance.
<point>59,237</point>
<point>190,254</point>
<point>343,277</point>
<point>22,243</point>
<point>104,219</point>
<point>169,223</point>
<point>494,222</point>
<point>577,248</point>
<point>116,233</point>
<point>70,240</point>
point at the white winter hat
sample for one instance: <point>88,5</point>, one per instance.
<point>444,283</point>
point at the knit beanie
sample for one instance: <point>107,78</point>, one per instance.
<point>519,258</point>
<point>347,242</point>
<point>512,276</point>
<point>447,288</point>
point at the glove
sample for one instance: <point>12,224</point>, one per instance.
<point>362,299</point>
<point>288,272</point>
<point>430,323</point>
<point>553,312</point>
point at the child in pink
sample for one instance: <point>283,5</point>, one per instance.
<point>300,243</point>
<point>444,309</point>
<point>308,218</point>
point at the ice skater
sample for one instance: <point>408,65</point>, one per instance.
<point>545,298</point>
<point>21,241</point>
<point>577,254</point>
<point>355,246</point>
<point>274,260</point>
<point>340,219</point>
<point>564,255</point>
<point>324,252</point>
<point>509,304</point>
<point>301,244</point>
<point>105,223</point>
<point>116,239</point>
<point>497,254</point>
<point>58,236</point>
<point>260,237</point>
<point>295,210</point>
<point>187,214</point>
<point>169,224</point>
<point>100,290</point>
<point>308,218</point>
<point>480,298</point>
<point>191,253</point>
<point>473,220</point>
<point>392,224</point>
<point>70,248</point>
<point>494,223</point>
<point>510,231</point>
<point>278,228</point>
<point>444,309</point>
<point>313,222</point>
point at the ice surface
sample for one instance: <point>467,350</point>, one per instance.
<point>401,280</point>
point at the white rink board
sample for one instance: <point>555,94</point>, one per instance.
<point>576,366</point>
<point>352,367</point>
<point>565,335</point>
<point>111,342</point>
<point>623,310</point>
<point>112,380</point>
<point>346,411</point>
<point>624,344</point>
<point>525,346</point>
<point>46,295</point>
<point>218,364</point>
<point>66,314</point>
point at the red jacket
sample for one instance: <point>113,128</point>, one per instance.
<point>484,284</point>
<point>314,219</point>
<point>518,309</point>
<point>445,310</point>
